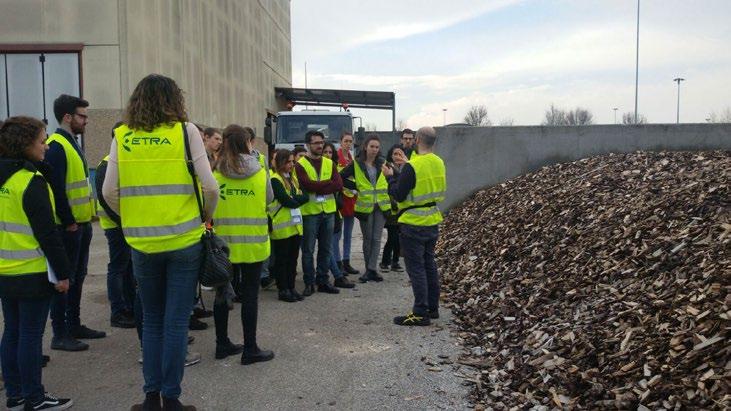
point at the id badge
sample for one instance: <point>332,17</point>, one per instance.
<point>296,215</point>
<point>320,198</point>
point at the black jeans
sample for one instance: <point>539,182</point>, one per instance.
<point>418,250</point>
<point>249,288</point>
<point>392,249</point>
<point>21,346</point>
<point>66,307</point>
<point>285,261</point>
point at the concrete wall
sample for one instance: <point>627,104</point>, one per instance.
<point>478,157</point>
<point>227,55</point>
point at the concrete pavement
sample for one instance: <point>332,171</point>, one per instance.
<point>333,352</point>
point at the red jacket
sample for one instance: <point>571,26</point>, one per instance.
<point>348,208</point>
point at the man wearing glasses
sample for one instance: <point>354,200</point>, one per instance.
<point>69,180</point>
<point>319,179</point>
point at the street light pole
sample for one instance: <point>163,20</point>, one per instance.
<point>445,117</point>
<point>677,116</point>
<point>615,114</point>
<point>637,58</point>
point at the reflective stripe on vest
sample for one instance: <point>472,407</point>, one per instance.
<point>282,224</point>
<point>158,211</point>
<point>20,252</point>
<point>78,188</point>
<point>368,194</point>
<point>431,184</point>
<point>240,218</point>
<point>313,207</point>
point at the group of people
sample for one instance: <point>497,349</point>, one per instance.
<point>164,183</point>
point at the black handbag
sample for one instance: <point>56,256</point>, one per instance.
<point>216,268</point>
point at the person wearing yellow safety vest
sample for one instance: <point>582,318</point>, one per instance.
<point>345,158</point>
<point>418,188</point>
<point>318,178</point>
<point>69,179</point>
<point>120,282</point>
<point>149,184</point>
<point>373,202</point>
<point>286,219</point>
<point>241,221</point>
<point>30,244</point>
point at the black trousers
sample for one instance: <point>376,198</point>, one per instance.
<point>392,249</point>
<point>286,252</point>
<point>249,289</point>
<point>419,243</point>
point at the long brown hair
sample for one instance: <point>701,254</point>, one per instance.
<point>156,100</point>
<point>281,157</point>
<point>235,138</point>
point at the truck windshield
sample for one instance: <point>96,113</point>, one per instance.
<point>292,129</point>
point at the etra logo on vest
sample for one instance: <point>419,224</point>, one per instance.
<point>4,192</point>
<point>244,192</point>
<point>142,141</point>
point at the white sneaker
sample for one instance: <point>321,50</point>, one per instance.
<point>192,358</point>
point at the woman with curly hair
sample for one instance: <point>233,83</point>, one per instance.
<point>29,244</point>
<point>148,183</point>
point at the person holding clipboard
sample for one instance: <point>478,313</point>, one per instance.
<point>33,262</point>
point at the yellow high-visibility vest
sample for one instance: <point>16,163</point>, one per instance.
<point>318,203</point>
<point>369,194</point>
<point>283,225</point>
<point>157,204</point>
<point>78,188</point>
<point>241,216</point>
<point>431,185</point>
<point>104,221</point>
<point>20,252</point>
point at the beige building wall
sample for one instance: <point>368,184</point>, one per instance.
<point>227,55</point>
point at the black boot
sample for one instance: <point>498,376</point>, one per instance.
<point>296,295</point>
<point>374,276</point>
<point>227,348</point>
<point>286,295</point>
<point>309,290</point>
<point>151,403</point>
<point>256,355</point>
<point>348,268</point>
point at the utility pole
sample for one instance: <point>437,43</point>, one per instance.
<point>637,59</point>
<point>615,114</point>
<point>677,115</point>
<point>444,122</point>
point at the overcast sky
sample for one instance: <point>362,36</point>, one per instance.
<point>517,57</point>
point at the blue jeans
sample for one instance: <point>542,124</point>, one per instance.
<point>317,228</point>
<point>417,248</point>
<point>348,223</point>
<point>66,307</point>
<point>120,283</point>
<point>22,347</point>
<point>333,261</point>
<point>167,285</point>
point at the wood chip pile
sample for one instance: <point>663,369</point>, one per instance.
<point>603,283</point>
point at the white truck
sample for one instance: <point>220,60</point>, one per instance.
<point>288,128</point>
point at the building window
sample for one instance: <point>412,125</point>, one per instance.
<point>30,82</point>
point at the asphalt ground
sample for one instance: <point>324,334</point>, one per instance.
<point>333,352</point>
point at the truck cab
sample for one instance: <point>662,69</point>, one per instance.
<point>288,128</point>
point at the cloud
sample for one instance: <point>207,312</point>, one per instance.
<point>324,22</point>
<point>519,68</point>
